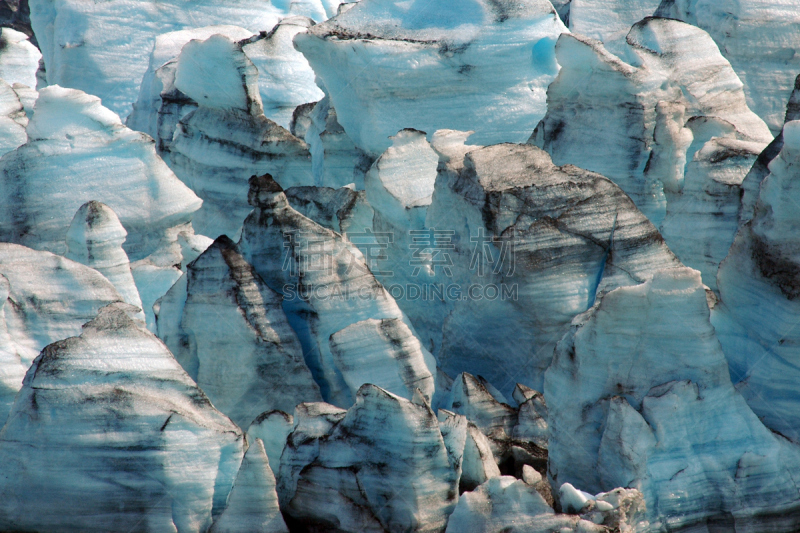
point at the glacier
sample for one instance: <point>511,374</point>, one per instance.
<point>399,265</point>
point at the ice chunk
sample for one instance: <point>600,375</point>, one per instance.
<point>103,48</point>
<point>678,135</point>
<point>758,37</point>
<point>80,151</point>
<point>382,466</point>
<point>333,301</point>
<point>649,403</point>
<point>536,244</point>
<point>253,502</point>
<point>227,139</point>
<point>272,429</point>
<point>19,58</point>
<point>389,65</point>
<point>232,337</point>
<point>110,434</point>
<point>95,238</point>
<point>504,504</point>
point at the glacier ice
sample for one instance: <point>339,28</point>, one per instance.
<point>102,48</point>
<point>160,105</point>
<point>335,160</point>
<point>110,434</point>
<point>95,238</point>
<point>647,404</point>
<point>227,139</point>
<point>758,287</point>
<point>78,151</point>
<point>48,299</point>
<point>19,58</point>
<point>679,137</point>
<point>339,310</point>
<point>608,20</point>
<point>389,65</point>
<point>508,505</point>
<point>382,465</point>
<point>228,330</point>
<point>13,119</point>
<point>760,40</point>
<point>272,428</point>
<point>552,237</point>
<point>252,503</point>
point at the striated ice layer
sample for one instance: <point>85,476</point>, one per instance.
<point>95,238</point>
<point>272,429</point>
<point>160,105</point>
<point>227,139</point>
<point>508,505</point>
<point>102,48</point>
<point>535,243</point>
<point>43,298</point>
<point>389,65</point>
<point>227,329</point>
<point>252,502</point>
<point>760,169</point>
<point>639,396</point>
<point>678,135</point>
<point>19,58</point>
<point>399,187</point>
<point>49,298</point>
<point>336,161</point>
<point>380,466</point>
<point>759,38</point>
<point>110,434</point>
<point>285,79</point>
<point>79,151</point>
<point>342,210</point>
<point>339,310</point>
<point>758,284</point>
<point>13,119</point>
<point>608,20</point>
<point>503,425</point>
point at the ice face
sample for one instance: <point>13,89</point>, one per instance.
<point>381,465</point>
<point>339,310</point>
<point>118,406</point>
<point>95,238</point>
<point>19,58</point>
<point>560,235</point>
<point>427,67</point>
<point>103,48</point>
<point>79,151</point>
<point>252,502</point>
<point>764,60</point>
<point>626,407</point>
<point>679,137</point>
<point>227,329</point>
<point>759,274</point>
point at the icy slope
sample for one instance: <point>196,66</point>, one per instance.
<point>229,332</point>
<point>13,119</point>
<point>380,466</point>
<point>678,135</point>
<point>79,151</point>
<point>341,313</point>
<point>758,288</point>
<point>102,48</point>
<point>639,396</point>
<point>19,59</point>
<point>95,238</point>
<point>110,434</point>
<point>389,65</point>
<point>539,243</point>
<point>608,20</point>
<point>758,37</point>
<point>253,502</point>
<point>43,298</point>
<point>227,139</point>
